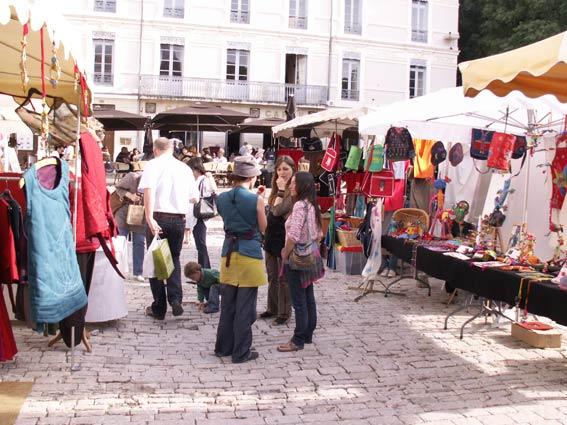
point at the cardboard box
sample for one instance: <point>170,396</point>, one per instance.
<point>538,339</point>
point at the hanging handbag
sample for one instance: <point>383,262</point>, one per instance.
<point>520,147</point>
<point>378,184</point>
<point>500,152</point>
<point>354,157</point>
<point>302,256</point>
<point>480,143</point>
<point>374,155</point>
<point>206,208</point>
<point>136,215</point>
<point>331,157</point>
<point>311,144</point>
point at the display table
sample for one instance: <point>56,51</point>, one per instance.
<point>544,298</point>
<point>107,300</point>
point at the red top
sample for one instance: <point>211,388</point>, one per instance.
<point>8,260</point>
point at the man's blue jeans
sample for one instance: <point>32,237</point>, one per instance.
<point>173,229</point>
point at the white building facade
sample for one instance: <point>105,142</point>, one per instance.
<point>146,56</point>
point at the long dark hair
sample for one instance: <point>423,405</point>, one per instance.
<point>305,189</point>
<point>281,159</point>
<point>196,164</point>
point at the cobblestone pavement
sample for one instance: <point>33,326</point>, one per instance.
<point>378,361</point>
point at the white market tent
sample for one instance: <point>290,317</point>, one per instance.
<point>324,122</point>
<point>449,116</point>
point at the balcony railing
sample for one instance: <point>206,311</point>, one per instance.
<point>173,12</point>
<point>298,22</point>
<point>419,35</point>
<point>239,17</point>
<point>230,90</point>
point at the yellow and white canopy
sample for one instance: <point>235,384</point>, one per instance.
<point>535,70</point>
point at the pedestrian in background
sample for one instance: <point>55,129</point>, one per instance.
<point>169,187</point>
<point>303,232</point>
<point>242,269</point>
<point>206,187</point>
<point>279,206</point>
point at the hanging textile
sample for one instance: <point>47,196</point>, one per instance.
<point>374,261</point>
<point>423,168</point>
<point>56,288</point>
<point>8,347</point>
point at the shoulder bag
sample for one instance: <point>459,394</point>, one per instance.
<point>302,257</point>
<point>206,208</point>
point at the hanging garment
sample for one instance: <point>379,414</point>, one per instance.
<point>56,288</point>
<point>420,194</point>
<point>374,261</point>
<point>422,165</point>
<point>8,347</point>
<point>396,201</point>
<point>399,144</point>
<point>559,177</point>
<point>8,261</point>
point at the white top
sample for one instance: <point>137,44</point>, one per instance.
<point>220,159</point>
<point>172,184</point>
<point>11,163</point>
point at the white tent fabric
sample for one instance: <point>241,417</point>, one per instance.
<point>448,115</point>
<point>324,122</point>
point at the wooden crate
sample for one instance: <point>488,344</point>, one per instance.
<point>538,339</point>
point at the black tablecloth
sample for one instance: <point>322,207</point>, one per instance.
<point>544,298</point>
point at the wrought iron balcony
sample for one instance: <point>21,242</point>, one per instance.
<point>298,22</point>
<point>161,86</point>
<point>353,28</point>
<point>349,94</point>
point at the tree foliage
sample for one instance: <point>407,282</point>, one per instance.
<point>489,27</point>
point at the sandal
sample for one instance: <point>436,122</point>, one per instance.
<point>289,347</point>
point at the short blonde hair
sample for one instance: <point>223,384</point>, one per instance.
<point>163,144</point>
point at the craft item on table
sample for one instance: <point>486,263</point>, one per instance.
<point>438,249</point>
<point>500,152</point>
<point>527,250</point>
<point>442,219</point>
<point>457,255</point>
<point>393,227</point>
<point>463,249</point>
<point>488,264</point>
<point>438,153</point>
<point>456,154</point>
<point>399,144</point>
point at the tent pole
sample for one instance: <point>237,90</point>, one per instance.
<point>531,127</point>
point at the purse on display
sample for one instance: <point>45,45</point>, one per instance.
<point>302,256</point>
<point>135,215</point>
<point>331,157</point>
<point>353,159</point>
<point>500,151</point>
<point>480,143</point>
<point>379,184</point>
<point>374,161</point>
<point>206,208</point>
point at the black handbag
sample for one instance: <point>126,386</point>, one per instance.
<point>206,208</point>
<point>311,144</point>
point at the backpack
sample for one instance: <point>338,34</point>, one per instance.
<point>399,144</point>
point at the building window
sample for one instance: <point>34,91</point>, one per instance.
<point>417,81</point>
<point>237,64</point>
<point>171,63</point>
<point>419,21</point>
<point>174,8</point>
<point>298,14</point>
<point>103,53</point>
<point>350,82</point>
<point>353,17</point>
<point>105,6</point>
<point>240,11</point>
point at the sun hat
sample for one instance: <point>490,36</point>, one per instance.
<point>438,153</point>
<point>456,154</point>
<point>245,166</point>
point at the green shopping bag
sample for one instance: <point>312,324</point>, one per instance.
<point>376,157</point>
<point>163,261</point>
<point>353,159</point>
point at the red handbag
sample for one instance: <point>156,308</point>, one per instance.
<point>331,157</point>
<point>500,151</point>
<point>379,184</point>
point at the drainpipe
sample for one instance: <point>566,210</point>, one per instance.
<point>140,133</point>
<point>329,59</point>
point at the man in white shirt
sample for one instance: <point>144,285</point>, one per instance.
<point>169,188</point>
<point>244,149</point>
